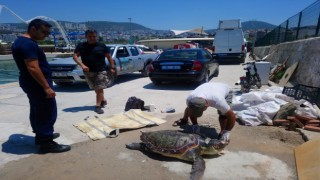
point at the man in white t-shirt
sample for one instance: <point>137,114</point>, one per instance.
<point>216,95</point>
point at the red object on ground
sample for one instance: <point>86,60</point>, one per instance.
<point>312,128</point>
<point>303,118</point>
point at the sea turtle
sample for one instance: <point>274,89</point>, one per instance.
<point>176,144</point>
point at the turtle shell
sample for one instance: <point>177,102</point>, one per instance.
<point>169,142</point>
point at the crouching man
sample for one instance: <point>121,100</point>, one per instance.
<point>216,95</point>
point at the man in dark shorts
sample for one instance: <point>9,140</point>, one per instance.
<point>35,80</point>
<point>217,95</point>
<point>94,66</point>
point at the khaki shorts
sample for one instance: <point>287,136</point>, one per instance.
<point>229,101</point>
<point>96,80</point>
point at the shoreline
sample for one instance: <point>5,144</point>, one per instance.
<point>49,55</point>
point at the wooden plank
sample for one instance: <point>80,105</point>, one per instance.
<point>287,75</point>
<point>307,158</point>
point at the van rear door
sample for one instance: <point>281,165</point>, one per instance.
<point>229,41</point>
<point>235,41</point>
<point>221,41</point>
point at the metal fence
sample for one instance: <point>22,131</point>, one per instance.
<point>303,25</point>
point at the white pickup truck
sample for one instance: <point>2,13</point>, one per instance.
<point>128,58</point>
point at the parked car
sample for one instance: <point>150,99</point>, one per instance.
<point>145,49</point>
<point>196,65</point>
<point>128,58</point>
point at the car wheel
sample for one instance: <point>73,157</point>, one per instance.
<point>145,71</point>
<point>242,60</point>
<point>205,78</point>
<point>257,82</point>
<point>63,83</point>
<point>216,73</point>
<point>156,82</point>
<point>111,78</point>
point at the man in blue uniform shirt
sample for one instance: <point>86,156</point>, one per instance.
<point>35,80</point>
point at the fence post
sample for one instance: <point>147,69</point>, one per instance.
<point>278,37</point>
<point>286,31</point>
<point>318,26</point>
<point>298,28</point>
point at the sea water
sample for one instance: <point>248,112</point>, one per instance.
<point>9,71</point>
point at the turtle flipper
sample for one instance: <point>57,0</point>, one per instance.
<point>134,146</point>
<point>198,168</point>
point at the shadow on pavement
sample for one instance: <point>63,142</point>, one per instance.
<point>128,77</point>
<point>75,87</point>
<point>174,86</point>
<point>19,144</point>
<point>79,108</point>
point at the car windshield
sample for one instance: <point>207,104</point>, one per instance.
<point>111,49</point>
<point>181,55</point>
<point>145,48</point>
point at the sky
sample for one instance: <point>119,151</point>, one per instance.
<point>155,14</point>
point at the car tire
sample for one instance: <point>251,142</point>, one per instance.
<point>156,82</point>
<point>63,83</point>
<point>242,60</point>
<point>257,82</point>
<point>205,78</point>
<point>216,73</point>
<point>145,71</point>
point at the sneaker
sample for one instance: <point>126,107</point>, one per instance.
<point>103,103</point>
<point>98,110</point>
<point>53,147</point>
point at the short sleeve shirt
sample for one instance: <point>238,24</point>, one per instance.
<point>93,56</point>
<point>25,48</point>
<point>214,93</point>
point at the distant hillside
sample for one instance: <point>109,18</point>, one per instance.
<point>251,25</point>
<point>255,25</point>
<point>126,26</point>
<point>98,25</point>
<point>110,26</point>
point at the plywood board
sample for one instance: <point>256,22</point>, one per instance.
<point>287,75</point>
<point>98,128</point>
<point>307,158</point>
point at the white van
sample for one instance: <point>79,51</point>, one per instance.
<point>229,43</point>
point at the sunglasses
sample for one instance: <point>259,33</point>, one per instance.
<point>45,32</point>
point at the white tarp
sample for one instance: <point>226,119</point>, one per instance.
<point>259,107</point>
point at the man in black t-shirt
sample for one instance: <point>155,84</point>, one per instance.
<point>94,67</point>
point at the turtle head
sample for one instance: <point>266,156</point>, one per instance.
<point>214,146</point>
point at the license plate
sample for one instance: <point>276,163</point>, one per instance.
<point>170,67</point>
<point>59,74</point>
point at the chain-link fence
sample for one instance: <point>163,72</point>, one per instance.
<point>303,25</point>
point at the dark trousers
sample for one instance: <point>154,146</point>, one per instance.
<point>43,113</point>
